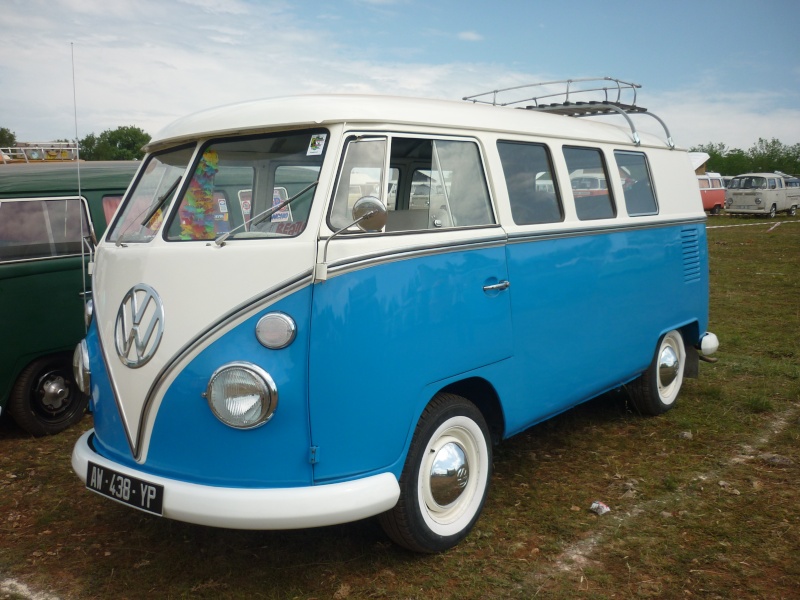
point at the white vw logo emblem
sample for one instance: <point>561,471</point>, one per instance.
<point>140,323</point>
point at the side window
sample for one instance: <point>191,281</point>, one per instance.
<point>431,183</point>
<point>588,176</point>
<point>703,184</point>
<point>529,179</point>
<point>41,228</point>
<point>772,183</point>
<point>716,183</point>
<point>110,204</point>
<point>361,175</point>
<point>465,198</point>
<point>637,186</point>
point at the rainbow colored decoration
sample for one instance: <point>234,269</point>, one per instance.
<point>197,209</point>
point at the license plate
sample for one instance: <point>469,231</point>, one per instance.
<point>132,491</point>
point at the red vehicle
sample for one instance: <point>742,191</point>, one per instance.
<point>712,190</point>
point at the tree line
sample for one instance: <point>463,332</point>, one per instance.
<point>763,157</point>
<point>122,143</point>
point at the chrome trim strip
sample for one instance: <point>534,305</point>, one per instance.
<point>518,237</point>
<point>18,261</point>
<point>361,262</point>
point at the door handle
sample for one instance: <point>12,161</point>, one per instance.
<point>500,285</point>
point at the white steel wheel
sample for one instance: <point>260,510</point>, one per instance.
<point>445,479</point>
<point>656,391</point>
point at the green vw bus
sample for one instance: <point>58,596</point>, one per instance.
<point>51,216</point>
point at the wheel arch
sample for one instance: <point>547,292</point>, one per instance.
<point>690,332</point>
<point>485,398</point>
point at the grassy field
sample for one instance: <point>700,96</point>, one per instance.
<point>704,500</point>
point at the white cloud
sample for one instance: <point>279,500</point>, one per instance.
<point>737,120</point>
<point>470,36</point>
<point>149,62</point>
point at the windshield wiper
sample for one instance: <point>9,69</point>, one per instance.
<point>151,213</point>
<point>220,241</point>
<point>161,200</point>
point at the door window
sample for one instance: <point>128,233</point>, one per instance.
<point>429,184</point>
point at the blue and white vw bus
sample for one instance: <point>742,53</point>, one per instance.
<point>317,309</point>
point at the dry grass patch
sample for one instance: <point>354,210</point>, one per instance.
<point>703,500</point>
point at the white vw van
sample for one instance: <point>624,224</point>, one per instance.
<point>764,194</point>
<point>317,309</point>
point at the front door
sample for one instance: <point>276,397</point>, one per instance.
<point>418,303</point>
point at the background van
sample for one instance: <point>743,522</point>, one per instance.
<point>45,227</point>
<point>712,191</point>
<point>762,194</point>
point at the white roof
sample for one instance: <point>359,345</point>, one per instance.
<point>319,110</point>
<point>698,159</point>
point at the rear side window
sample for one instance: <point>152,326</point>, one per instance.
<point>532,192</point>
<point>589,180</point>
<point>637,185</point>
<point>42,228</point>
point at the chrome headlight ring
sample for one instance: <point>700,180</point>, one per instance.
<point>242,395</point>
<point>80,367</point>
<point>88,311</point>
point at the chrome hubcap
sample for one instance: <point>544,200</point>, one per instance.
<point>449,474</point>
<point>55,393</point>
<point>668,366</point>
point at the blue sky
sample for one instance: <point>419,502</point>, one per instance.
<point>715,71</point>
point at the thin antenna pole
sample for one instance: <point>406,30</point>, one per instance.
<point>78,165</point>
<point>75,113</point>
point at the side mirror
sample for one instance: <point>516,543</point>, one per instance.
<point>369,214</point>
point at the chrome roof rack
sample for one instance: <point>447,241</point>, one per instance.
<point>34,152</point>
<point>610,90</point>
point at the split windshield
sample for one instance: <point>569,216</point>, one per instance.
<point>748,183</point>
<point>230,190</point>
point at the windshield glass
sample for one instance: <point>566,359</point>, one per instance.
<point>748,183</point>
<point>145,206</point>
<point>235,184</point>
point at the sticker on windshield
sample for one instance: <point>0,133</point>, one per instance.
<point>317,144</point>
<point>245,201</point>
<point>279,196</point>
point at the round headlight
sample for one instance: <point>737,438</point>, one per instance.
<point>80,367</point>
<point>276,330</point>
<point>242,395</point>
